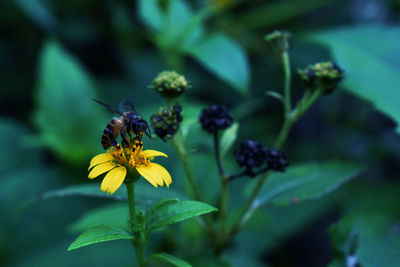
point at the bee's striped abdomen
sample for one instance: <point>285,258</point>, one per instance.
<point>110,133</point>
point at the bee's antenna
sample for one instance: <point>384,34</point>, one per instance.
<point>108,106</point>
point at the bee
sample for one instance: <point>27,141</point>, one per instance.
<point>130,121</point>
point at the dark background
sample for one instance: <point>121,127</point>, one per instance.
<point>118,50</point>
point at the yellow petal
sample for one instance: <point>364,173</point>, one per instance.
<point>150,174</point>
<point>113,180</point>
<point>163,172</point>
<point>101,168</point>
<point>153,153</point>
<point>101,158</point>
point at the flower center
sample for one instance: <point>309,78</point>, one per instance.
<point>130,155</point>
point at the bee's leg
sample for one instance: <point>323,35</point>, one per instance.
<point>148,133</point>
<point>125,142</point>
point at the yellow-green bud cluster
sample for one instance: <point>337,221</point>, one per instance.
<point>279,39</point>
<point>322,76</point>
<point>170,84</point>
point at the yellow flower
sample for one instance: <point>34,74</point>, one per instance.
<point>119,160</point>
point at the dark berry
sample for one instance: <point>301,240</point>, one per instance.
<point>250,154</point>
<point>216,117</point>
<point>276,160</point>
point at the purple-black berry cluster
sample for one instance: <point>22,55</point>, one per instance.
<point>166,121</point>
<point>250,154</point>
<point>216,117</point>
<point>276,160</point>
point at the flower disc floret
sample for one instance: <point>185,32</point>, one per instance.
<point>216,117</point>
<point>132,159</point>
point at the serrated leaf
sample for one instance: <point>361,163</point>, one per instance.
<point>375,46</point>
<point>171,211</point>
<point>70,123</point>
<point>228,138</point>
<point>307,181</point>
<point>225,58</point>
<point>99,234</point>
<point>170,259</point>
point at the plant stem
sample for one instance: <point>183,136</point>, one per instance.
<point>287,80</point>
<point>288,122</point>
<point>140,241</point>
<point>287,125</point>
<point>130,188</point>
<point>224,184</point>
<point>244,214</point>
<point>180,149</point>
<point>218,156</point>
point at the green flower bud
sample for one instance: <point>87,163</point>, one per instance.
<point>166,121</point>
<point>323,76</point>
<point>170,84</point>
<point>279,39</point>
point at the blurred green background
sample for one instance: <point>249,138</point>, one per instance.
<point>57,55</point>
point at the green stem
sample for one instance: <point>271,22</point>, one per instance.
<point>130,188</point>
<point>224,204</point>
<point>224,184</point>
<point>140,241</point>
<point>287,80</point>
<point>288,122</point>
<point>287,125</point>
<point>180,149</point>
<point>244,215</point>
<point>218,156</point>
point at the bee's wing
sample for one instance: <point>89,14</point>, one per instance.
<point>126,106</point>
<point>108,106</point>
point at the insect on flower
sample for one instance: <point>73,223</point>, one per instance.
<point>130,121</point>
<point>132,160</point>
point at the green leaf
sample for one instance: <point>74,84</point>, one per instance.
<point>174,24</point>
<point>115,215</point>
<point>170,259</point>
<point>228,138</point>
<point>70,123</point>
<point>304,182</point>
<point>172,211</point>
<point>150,13</point>
<point>39,13</point>
<point>99,234</point>
<point>278,11</point>
<point>225,58</point>
<point>146,194</point>
<point>369,233</point>
<point>374,46</point>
